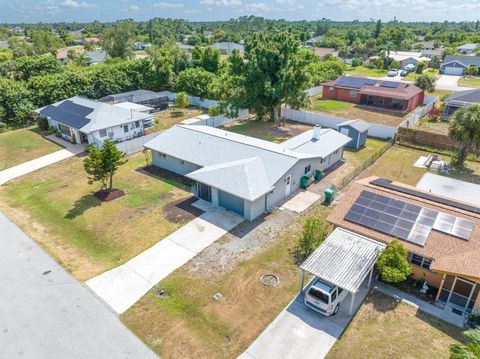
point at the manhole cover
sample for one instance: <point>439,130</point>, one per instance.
<point>217,296</point>
<point>161,293</point>
<point>269,280</point>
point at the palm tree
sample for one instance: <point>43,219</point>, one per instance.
<point>467,351</point>
<point>465,131</point>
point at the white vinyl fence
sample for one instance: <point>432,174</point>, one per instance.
<point>429,103</point>
<point>135,145</point>
<point>314,118</point>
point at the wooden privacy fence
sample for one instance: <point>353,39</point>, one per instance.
<point>425,138</point>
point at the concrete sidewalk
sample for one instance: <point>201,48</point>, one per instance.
<point>121,287</point>
<point>45,313</point>
<point>299,332</point>
<point>33,165</point>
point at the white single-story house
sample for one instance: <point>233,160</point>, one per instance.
<point>467,48</point>
<point>241,173</point>
<point>457,64</point>
<point>407,58</point>
<point>81,120</point>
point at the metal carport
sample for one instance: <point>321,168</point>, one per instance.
<point>343,259</point>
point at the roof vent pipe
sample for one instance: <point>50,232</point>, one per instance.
<point>316,133</point>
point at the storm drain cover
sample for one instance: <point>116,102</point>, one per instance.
<point>269,280</point>
<point>161,293</point>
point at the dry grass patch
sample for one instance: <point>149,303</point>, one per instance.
<point>385,328</point>
<point>23,145</point>
<point>173,116</point>
<point>267,130</point>
<point>57,208</point>
<point>189,323</point>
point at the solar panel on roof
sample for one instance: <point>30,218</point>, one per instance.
<point>64,117</point>
<point>404,220</point>
<point>390,84</point>
<point>74,108</point>
<point>384,183</point>
<point>355,82</point>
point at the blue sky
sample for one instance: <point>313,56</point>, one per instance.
<point>107,10</point>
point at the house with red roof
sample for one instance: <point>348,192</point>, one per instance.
<point>393,96</point>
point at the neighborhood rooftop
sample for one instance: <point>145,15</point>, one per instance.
<point>449,253</point>
<point>89,115</point>
<point>469,96</point>
<point>462,59</point>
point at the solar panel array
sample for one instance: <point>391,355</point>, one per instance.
<point>382,182</point>
<point>355,82</point>
<point>65,117</point>
<point>74,108</point>
<point>390,84</point>
<point>404,220</point>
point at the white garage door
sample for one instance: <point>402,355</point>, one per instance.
<point>453,71</point>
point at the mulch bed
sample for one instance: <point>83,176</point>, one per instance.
<point>106,196</point>
<point>181,211</point>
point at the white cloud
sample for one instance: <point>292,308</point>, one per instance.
<point>167,5</point>
<point>257,7</point>
<point>77,5</point>
<point>134,8</point>
<point>221,2</point>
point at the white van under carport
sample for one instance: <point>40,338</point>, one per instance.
<point>340,265</point>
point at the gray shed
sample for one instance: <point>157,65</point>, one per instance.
<point>355,129</point>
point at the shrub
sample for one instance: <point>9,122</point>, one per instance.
<point>393,264</point>
<point>421,67</point>
<point>42,123</point>
<point>314,232</point>
<point>182,100</point>
<point>356,62</point>
<point>3,127</point>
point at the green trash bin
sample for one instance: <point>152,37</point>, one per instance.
<point>304,181</point>
<point>329,193</point>
<point>319,175</point>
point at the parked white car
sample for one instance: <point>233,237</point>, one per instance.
<point>324,298</point>
<point>392,73</point>
<point>409,67</point>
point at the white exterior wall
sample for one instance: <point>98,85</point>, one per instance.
<point>117,133</point>
<point>74,134</point>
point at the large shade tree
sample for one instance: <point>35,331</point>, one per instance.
<point>464,130</point>
<point>274,73</point>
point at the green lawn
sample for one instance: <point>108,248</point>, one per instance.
<point>365,71</point>
<point>357,157</point>
<point>412,76</point>
<point>23,145</point>
<point>57,208</point>
<point>386,328</point>
<point>469,82</point>
<point>329,105</point>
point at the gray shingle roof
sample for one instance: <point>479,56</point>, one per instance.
<point>330,141</point>
<point>244,166</point>
<point>359,125</point>
<point>344,259</point>
<point>465,60</point>
<point>470,96</point>
<point>96,56</point>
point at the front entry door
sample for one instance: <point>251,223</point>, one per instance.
<point>288,185</point>
<point>204,192</point>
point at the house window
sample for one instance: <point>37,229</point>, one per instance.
<point>137,124</point>
<point>103,133</point>
<point>125,128</point>
<point>353,93</point>
<point>330,89</point>
<point>307,169</point>
<point>322,160</point>
<point>182,162</point>
<point>161,154</point>
<point>420,261</point>
<point>336,152</point>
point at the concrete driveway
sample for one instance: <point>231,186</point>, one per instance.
<point>70,150</point>
<point>299,332</point>
<point>45,313</point>
<point>121,287</point>
<point>450,82</point>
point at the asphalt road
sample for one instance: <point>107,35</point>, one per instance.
<point>45,313</point>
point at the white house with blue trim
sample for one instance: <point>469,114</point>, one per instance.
<point>241,173</point>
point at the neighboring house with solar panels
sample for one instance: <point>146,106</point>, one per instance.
<point>240,173</point>
<point>441,234</point>
<point>387,95</point>
<point>81,120</point>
